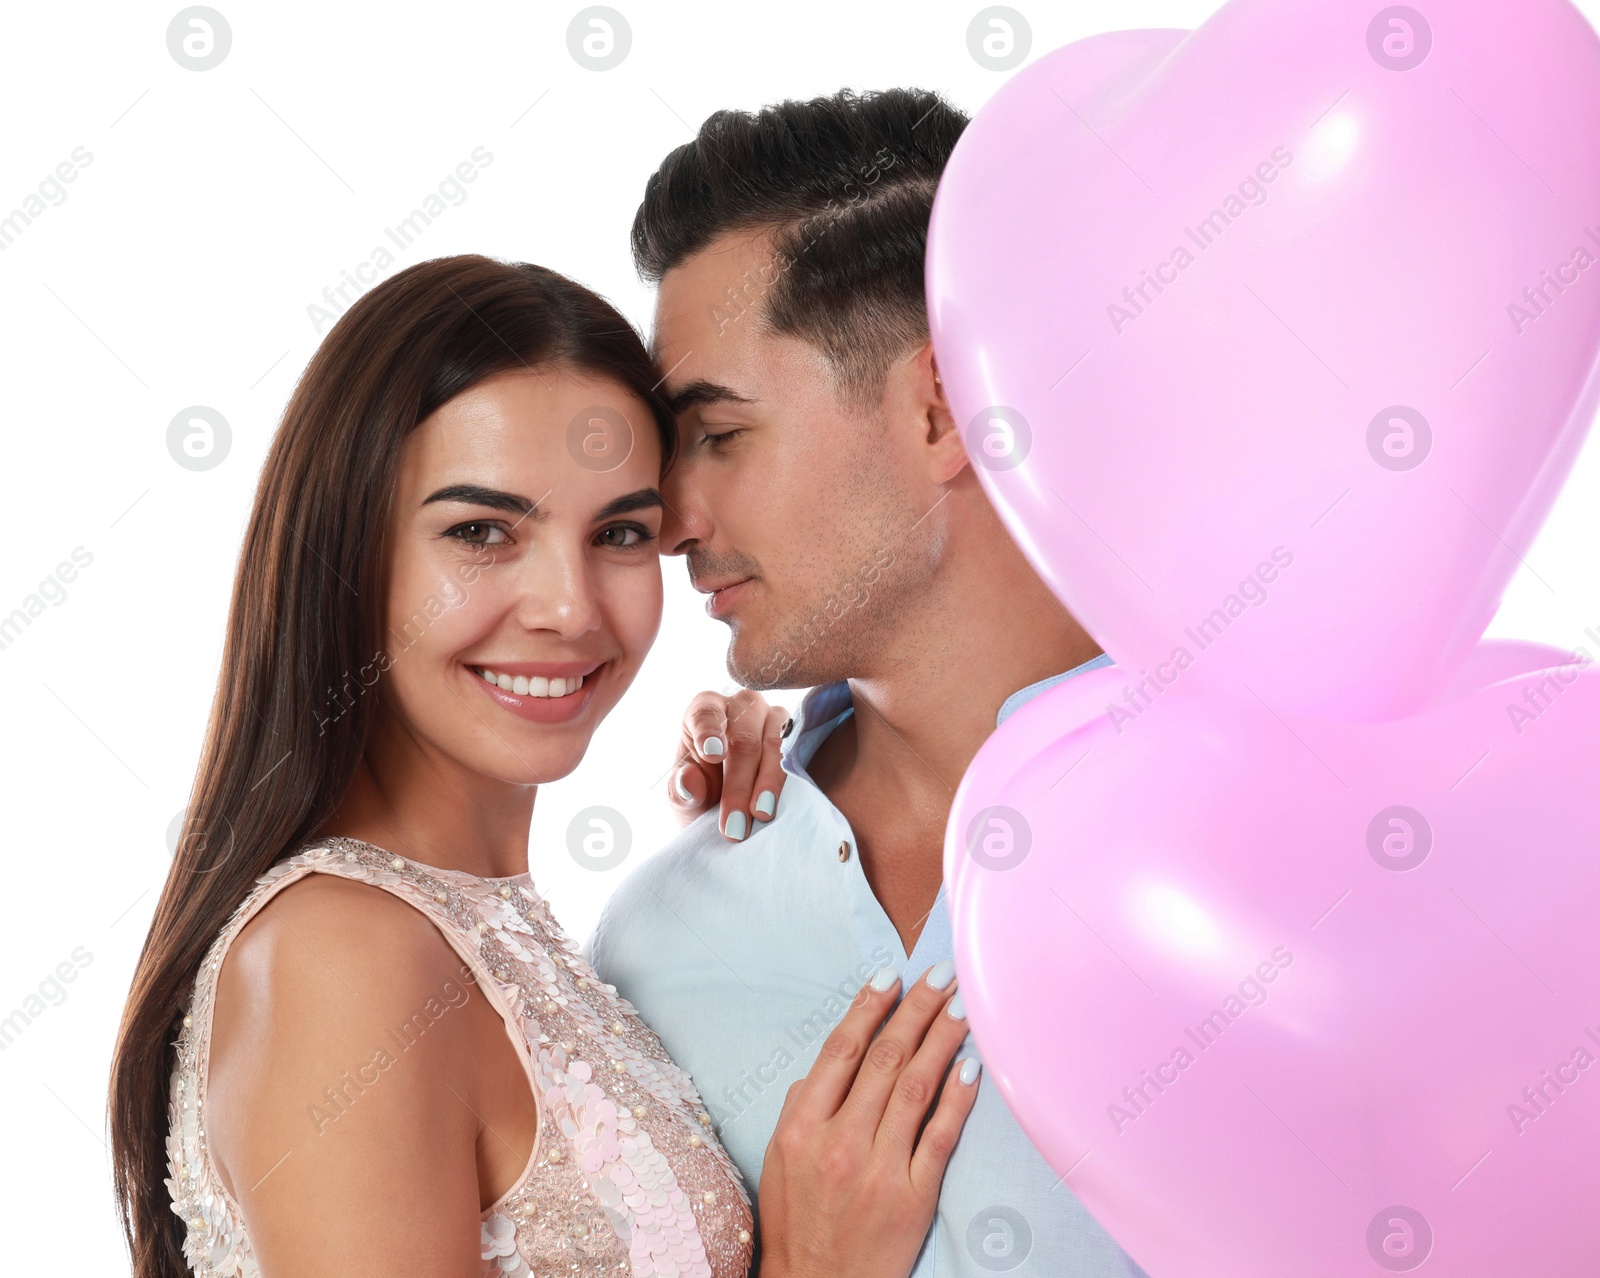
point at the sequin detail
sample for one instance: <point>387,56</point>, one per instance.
<point>625,1176</point>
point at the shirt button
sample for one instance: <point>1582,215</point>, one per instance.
<point>844,850</point>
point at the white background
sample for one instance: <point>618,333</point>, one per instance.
<point>178,271</point>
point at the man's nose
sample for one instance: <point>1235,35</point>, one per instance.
<point>684,521</point>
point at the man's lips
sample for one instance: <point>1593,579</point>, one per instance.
<point>708,587</point>
<point>724,597</point>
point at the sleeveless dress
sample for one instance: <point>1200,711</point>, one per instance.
<point>625,1177</point>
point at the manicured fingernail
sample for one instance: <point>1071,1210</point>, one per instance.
<point>788,727</point>
<point>766,803</point>
<point>711,746</point>
<point>969,1071</point>
<point>884,978</point>
<point>735,827</point>
<point>679,787</point>
<point>941,974</point>
<point>957,1010</point>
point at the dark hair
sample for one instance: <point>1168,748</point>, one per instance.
<point>307,611</point>
<point>845,184</point>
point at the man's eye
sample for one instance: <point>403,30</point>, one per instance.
<point>479,534</point>
<point>716,439</point>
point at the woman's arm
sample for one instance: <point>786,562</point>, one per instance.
<point>851,1178</point>
<point>340,1107</point>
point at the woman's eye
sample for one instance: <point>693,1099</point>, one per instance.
<point>625,536</point>
<point>479,534</point>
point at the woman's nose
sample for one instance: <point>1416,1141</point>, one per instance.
<point>557,594</point>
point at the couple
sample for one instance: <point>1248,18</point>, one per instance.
<point>316,1077</point>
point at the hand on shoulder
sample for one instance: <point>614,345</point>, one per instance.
<point>730,757</point>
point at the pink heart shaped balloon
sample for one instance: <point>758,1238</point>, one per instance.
<point>1296,998</point>
<point>1291,998</point>
<point>1274,342</point>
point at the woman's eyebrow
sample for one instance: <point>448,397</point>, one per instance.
<point>644,499</point>
<point>478,495</point>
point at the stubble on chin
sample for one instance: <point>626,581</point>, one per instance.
<point>878,585</point>
<point>836,640</point>
<point>755,665</point>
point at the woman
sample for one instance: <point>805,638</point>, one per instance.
<point>368,1043</point>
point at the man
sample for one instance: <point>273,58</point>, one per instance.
<point>825,502</point>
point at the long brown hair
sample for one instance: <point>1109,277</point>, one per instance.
<point>306,616</point>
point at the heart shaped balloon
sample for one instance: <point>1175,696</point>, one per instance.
<point>1292,998</point>
<point>1274,342</point>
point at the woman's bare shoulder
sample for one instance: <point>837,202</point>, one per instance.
<point>325,960</point>
<point>327,926</point>
<point>309,992</point>
<point>307,1068</point>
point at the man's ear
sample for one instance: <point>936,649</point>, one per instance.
<point>946,453</point>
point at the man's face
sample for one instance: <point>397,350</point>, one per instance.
<point>800,513</point>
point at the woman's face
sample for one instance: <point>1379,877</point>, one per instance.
<point>522,548</point>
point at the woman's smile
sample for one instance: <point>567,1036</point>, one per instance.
<point>539,691</point>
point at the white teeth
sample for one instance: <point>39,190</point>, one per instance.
<point>536,686</point>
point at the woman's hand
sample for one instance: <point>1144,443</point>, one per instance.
<point>851,1177</point>
<point>730,753</point>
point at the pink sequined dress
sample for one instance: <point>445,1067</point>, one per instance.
<point>626,1176</point>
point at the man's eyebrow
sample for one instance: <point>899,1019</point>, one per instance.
<point>644,499</point>
<point>478,495</point>
<point>700,392</point>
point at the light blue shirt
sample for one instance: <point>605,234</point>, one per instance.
<point>743,956</point>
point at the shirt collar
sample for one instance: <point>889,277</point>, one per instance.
<point>828,705</point>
